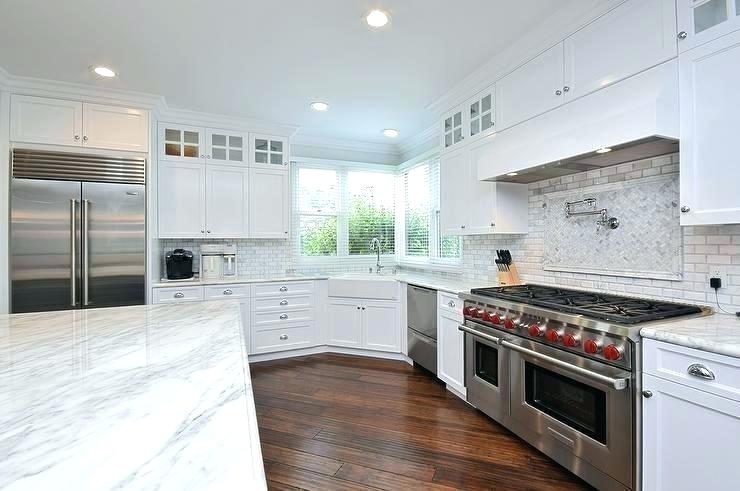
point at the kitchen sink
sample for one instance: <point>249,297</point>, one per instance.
<point>364,285</point>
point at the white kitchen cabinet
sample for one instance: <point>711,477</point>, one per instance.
<point>269,203</point>
<point>690,438</point>
<point>181,199</point>
<point>450,345</point>
<point>226,147</point>
<point>115,128</point>
<point>181,143</point>
<point>268,151</point>
<point>532,89</point>
<point>453,128</point>
<point>380,326</point>
<point>481,113</point>
<point>345,323</point>
<point>709,77</point>
<point>227,202</point>
<point>701,21</point>
<point>633,37</point>
<point>469,206</point>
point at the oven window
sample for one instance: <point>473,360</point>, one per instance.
<point>578,405</point>
<point>486,363</point>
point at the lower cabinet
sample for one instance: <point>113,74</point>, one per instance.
<point>451,350</point>
<point>368,324</point>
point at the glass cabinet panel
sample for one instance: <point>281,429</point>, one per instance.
<point>481,113</point>
<point>709,14</point>
<point>226,148</point>
<point>181,143</point>
<point>453,129</point>
<point>269,150</point>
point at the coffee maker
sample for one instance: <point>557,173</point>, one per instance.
<point>218,261</point>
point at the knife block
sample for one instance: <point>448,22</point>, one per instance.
<point>510,277</point>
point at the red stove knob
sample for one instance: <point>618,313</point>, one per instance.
<point>591,347</point>
<point>487,315</point>
<point>536,330</point>
<point>508,323</point>
<point>571,341</point>
<point>613,353</point>
<point>553,335</point>
<point>468,311</point>
<point>495,318</point>
<point>477,313</point>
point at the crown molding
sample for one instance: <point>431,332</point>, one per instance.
<point>415,141</point>
<point>4,76</point>
<point>544,36</point>
<point>386,149</point>
<point>186,116</point>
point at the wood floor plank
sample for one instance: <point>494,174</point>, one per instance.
<point>310,481</point>
<point>302,460</point>
<point>385,480</point>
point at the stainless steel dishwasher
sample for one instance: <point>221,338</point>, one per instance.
<point>421,308</point>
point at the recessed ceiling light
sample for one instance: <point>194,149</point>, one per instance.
<point>512,174</point>
<point>390,132</point>
<point>377,18</point>
<point>104,71</point>
<point>604,150</point>
<point>320,106</point>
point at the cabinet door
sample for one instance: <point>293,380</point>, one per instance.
<point>227,202</point>
<point>226,147</point>
<point>454,172</point>
<point>451,351</point>
<point>345,323</point>
<point>380,326</point>
<point>181,200</point>
<point>690,438</point>
<point>531,89</point>
<point>269,203</point>
<point>268,151</point>
<point>50,121</point>
<point>115,128</point>
<point>633,37</point>
<point>453,128</point>
<point>700,21</point>
<point>481,113</point>
<point>709,77</point>
<point>181,143</point>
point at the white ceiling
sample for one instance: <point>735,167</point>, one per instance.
<point>269,59</point>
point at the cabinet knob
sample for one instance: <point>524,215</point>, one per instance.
<point>683,35</point>
<point>462,226</point>
<point>202,156</point>
<point>283,337</point>
<point>202,231</point>
<point>208,156</point>
<point>685,209</point>
<point>647,394</point>
<point>363,308</point>
<point>283,302</point>
<point>179,295</point>
<point>84,138</point>
<point>286,232</point>
<point>283,288</point>
<point>208,231</point>
<point>451,303</point>
<point>228,291</point>
<point>283,317</point>
<point>358,307</point>
<point>77,137</point>
<point>566,89</point>
<point>558,92</point>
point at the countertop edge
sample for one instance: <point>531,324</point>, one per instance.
<point>694,342</point>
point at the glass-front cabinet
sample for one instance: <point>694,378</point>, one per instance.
<point>700,21</point>
<point>453,128</point>
<point>226,147</point>
<point>181,143</point>
<point>481,112</point>
<point>268,151</point>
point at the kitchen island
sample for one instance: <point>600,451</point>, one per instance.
<point>143,397</point>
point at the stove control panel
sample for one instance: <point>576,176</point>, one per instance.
<point>599,346</point>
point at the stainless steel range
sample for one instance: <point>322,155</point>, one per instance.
<point>561,369</point>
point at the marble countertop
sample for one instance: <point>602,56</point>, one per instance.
<point>443,283</point>
<point>197,281</point>
<point>144,397</point>
<point>717,333</point>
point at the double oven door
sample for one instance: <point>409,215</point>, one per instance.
<point>577,411</point>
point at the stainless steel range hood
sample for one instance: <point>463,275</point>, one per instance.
<point>629,152</point>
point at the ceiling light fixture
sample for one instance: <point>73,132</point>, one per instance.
<point>390,132</point>
<point>512,174</point>
<point>604,150</point>
<point>104,71</point>
<point>377,18</point>
<point>320,106</point>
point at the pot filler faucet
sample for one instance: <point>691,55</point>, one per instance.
<point>375,246</point>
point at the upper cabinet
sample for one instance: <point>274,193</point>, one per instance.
<point>268,151</point>
<point>78,124</point>
<point>709,77</point>
<point>269,203</point>
<point>226,147</point>
<point>453,128</point>
<point>636,35</point>
<point>700,21</point>
<point>531,89</point>
<point>481,114</point>
<point>181,143</point>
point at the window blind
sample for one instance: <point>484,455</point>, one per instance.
<point>417,209</point>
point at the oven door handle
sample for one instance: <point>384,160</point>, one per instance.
<point>479,334</point>
<point>617,383</point>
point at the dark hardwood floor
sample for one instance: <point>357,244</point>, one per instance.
<point>343,422</point>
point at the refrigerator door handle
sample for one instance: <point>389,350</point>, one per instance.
<point>73,249</point>
<point>85,252</point>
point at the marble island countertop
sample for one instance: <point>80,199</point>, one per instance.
<point>144,397</point>
<point>717,333</point>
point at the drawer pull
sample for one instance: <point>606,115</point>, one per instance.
<point>179,295</point>
<point>283,337</point>
<point>283,317</point>
<point>283,288</point>
<point>228,291</point>
<point>283,302</point>
<point>451,303</point>
<point>700,371</point>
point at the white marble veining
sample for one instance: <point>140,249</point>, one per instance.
<point>718,333</point>
<point>145,397</point>
<point>443,283</point>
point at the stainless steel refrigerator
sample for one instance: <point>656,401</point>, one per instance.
<point>77,230</point>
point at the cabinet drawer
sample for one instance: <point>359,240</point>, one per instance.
<point>450,303</point>
<point>282,303</point>
<point>226,291</point>
<point>263,321</point>
<point>175,295</point>
<point>287,338</point>
<point>674,363</point>
<point>282,289</point>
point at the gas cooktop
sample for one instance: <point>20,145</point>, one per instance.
<point>612,308</point>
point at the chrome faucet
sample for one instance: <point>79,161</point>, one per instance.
<point>375,246</point>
